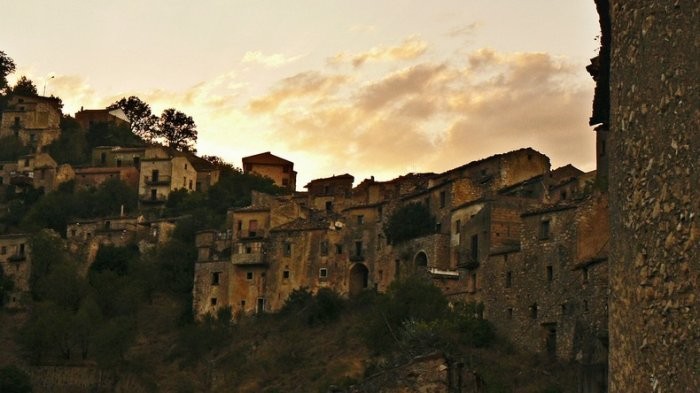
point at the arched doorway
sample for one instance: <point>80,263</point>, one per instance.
<point>359,279</point>
<point>421,260</point>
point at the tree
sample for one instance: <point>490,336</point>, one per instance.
<point>14,380</point>
<point>143,122</point>
<point>25,87</point>
<point>177,130</point>
<point>7,66</point>
<point>409,222</point>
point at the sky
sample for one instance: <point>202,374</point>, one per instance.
<point>371,88</point>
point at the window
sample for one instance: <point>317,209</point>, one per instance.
<point>475,248</point>
<point>3,250</point>
<point>338,248</point>
<point>563,195</point>
<point>213,301</point>
<point>252,228</point>
<point>323,272</point>
<point>285,274</point>
<point>360,219</point>
<point>458,226</point>
<point>215,278</point>
<point>550,274</point>
<point>509,279</point>
<point>509,313</point>
<point>185,166</point>
<point>438,227</point>
<point>544,230</point>
<point>249,275</point>
<point>584,273</point>
<point>119,163</point>
<point>443,198</point>
<point>533,311</point>
<point>324,248</point>
<point>287,249</point>
<point>239,225</point>
<point>1,180</point>
<point>358,248</point>
<point>242,304</point>
<point>137,161</point>
<point>190,184</point>
<point>329,205</point>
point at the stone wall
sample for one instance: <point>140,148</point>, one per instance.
<point>655,199</point>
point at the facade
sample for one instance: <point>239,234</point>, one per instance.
<point>278,169</point>
<point>162,172</point>
<point>94,176</point>
<point>37,171</point>
<point>87,117</point>
<point>15,262</point>
<point>36,121</point>
<point>652,51</point>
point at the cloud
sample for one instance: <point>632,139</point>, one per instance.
<point>365,29</point>
<point>433,116</point>
<point>302,85</point>
<point>271,61</point>
<point>461,31</point>
<point>411,48</point>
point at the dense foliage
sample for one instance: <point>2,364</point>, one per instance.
<point>409,222</point>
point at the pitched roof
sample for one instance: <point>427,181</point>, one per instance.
<point>266,158</point>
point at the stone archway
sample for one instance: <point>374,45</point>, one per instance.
<point>420,260</point>
<point>359,279</point>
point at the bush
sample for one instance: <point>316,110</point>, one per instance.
<point>14,380</point>
<point>409,222</point>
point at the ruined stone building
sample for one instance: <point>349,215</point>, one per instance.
<point>34,120</point>
<point>38,170</point>
<point>278,169</point>
<point>527,242</point>
<point>15,265</point>
<point>89,117</point>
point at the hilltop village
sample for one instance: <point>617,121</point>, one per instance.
<point>526,242</point>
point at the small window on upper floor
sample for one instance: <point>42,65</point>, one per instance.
<point>584,275</point>
<point>360,219</point>
<point>509,279</point>
<point>249,275</point>
<point>458,226</point>
<point>213,301</point>
<point>338,248</point>
<point>329,205</point>
<point>544,230</point>
<point>215,277</point>
<point>285,274</point>
<point>550,274</point>
<point>323,272</point>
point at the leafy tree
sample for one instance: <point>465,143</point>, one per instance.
<point>143,121</point>
<point>109,134</point>
<point>225,168</point>
<point>71,147</point>
<point>409,222</point>
<point>6,285</point>
<point>14,380</point>
<point>47,253</point>
<point>7,66</point>
<point>115,259</point>
<point>177,130</point>
<point>12,148</point>
<point>113,340</point>
<point>25,87</point>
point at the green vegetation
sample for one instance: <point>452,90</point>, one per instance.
<point>14,380</point>
<point>409,222</point>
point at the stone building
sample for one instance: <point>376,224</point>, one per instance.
<point>278,169</point>
<point>163,171</point>
<point>37,171</point>
<point>15,263</point>
<point>87,117</point>
<point>34,120</point>
<point>94,176</point>
<point>650,50</point>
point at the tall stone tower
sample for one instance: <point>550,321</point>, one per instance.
<point>654,167</point>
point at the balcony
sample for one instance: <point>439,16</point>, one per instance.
<point>357,257</point>
<point>254,258</point>
<point>153,199</point>
<point>21,178</point>
<point>17,257</point>
<point>157,180</point>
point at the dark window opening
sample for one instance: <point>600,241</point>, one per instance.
<point>475,247</point>
<point>544,230</point>
<point>213,301</point>
<point>358,248</point>
<point>323,272</point>
<point>458,226</point>
<point>509,279</point>
<point>360,219</point>
<point>215,276</point>
<point>533,311</point>
<point>550,274</point>
<point>584,273</point>
<point>329,205</point>
<point>249,275</point>
<point>285,274</point>
<point>338,248</point>
<point>509,313</point>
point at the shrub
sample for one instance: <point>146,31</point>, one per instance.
<point>409,222</point>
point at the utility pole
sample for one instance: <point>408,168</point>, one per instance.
<point>45,81</point>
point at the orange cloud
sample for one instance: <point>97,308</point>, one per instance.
<point>302,85</point>
<point>272,61</point>
<point>409,49</point>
